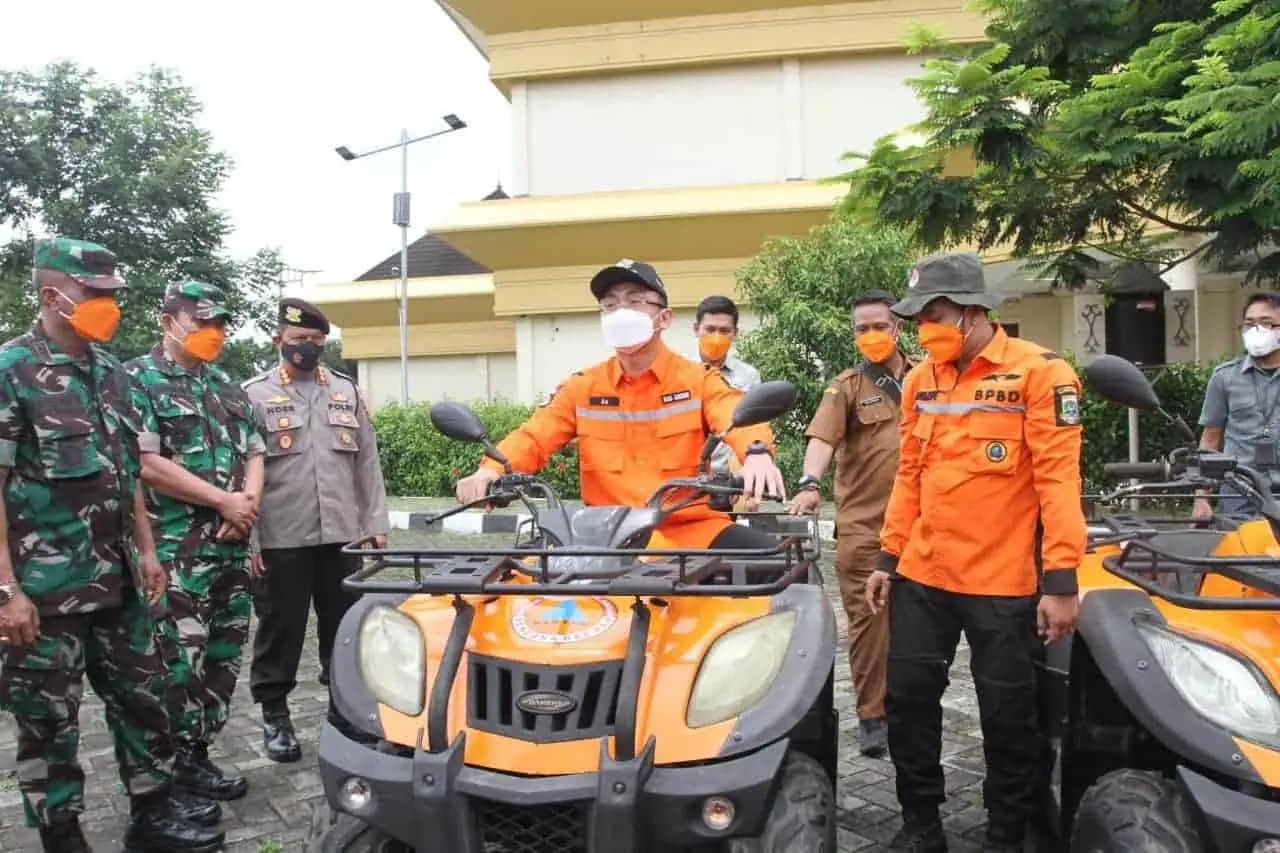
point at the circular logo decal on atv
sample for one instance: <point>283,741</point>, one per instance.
<point>546,702</point>
<point>996,452</point>
<point>564,620</point>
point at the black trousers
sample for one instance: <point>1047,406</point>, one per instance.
<point>924,630</point>
<point>295,579</point>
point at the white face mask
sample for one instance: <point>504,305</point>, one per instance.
<point>626,328</point>
<point>1260,342</point>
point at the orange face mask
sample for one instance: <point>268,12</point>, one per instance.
<point>943,341</point>
<point>205,344</point>
<point>95,319</point>
<point>715,346</point>
<point>876,346</point>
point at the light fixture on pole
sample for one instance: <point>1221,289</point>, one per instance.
<point>400,218</point>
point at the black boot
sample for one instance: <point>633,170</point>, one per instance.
<point>873,738</point>
<point>196,774</point>
<point>63,835</point>
<point>922,834</point>
<point>195,809</point>
<point>156,827</point>
<point>278,737</point>
<point>1004,837</point>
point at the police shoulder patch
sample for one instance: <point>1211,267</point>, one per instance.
<point>1066,405</point>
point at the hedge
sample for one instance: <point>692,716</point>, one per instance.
<point>419,461</point>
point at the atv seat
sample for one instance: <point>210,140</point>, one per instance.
<point>1195,544</point>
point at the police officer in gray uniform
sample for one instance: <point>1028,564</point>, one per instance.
<point>1241,413</point>
<point>323,490</point>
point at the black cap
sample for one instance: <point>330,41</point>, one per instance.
<point>955,276</point>
<point>302,314</point>
<point>637,272</point>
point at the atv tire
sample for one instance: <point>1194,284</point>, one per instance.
<point>342,833</point>
<point>803,816</point>
<point>1132,811</point>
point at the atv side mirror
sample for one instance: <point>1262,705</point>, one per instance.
<point>1119,381</point>
<point>763,403</point>
<point>456,421</point>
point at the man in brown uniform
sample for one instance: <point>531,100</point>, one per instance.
<point>858,419</point>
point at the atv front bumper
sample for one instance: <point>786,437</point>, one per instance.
<point>435,803</point>
<point>1235,821</point>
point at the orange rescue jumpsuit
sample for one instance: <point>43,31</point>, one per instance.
<point>636,432</point>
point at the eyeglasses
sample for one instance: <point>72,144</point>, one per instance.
<point>636,304</point>
<point>1265,325</point>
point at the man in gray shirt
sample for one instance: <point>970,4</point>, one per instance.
<point>716,325</point>
<point>323,490</point>
<point>1241,413</point>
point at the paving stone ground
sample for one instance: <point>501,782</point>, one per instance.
<point>274,817</point>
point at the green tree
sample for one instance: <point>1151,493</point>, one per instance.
<point>126,166</point>
<point>801,289</point>
<point>1103,125</point>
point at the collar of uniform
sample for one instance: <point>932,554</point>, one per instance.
<point>287,379</point>
<point>167,365</point>
<point>47,349</point>
<point>1251,363</point>
<point>658,368</point>
<point>994,352</point>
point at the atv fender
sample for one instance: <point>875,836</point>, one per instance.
<point>809,662</point>
<point>1107,625</point>
<point>354,702</point>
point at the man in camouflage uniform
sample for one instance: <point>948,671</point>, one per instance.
<point>76,562</point>
<point>323,490</point>
<point>202,462</point>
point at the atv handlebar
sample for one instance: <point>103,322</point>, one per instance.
<point>1136,470</point>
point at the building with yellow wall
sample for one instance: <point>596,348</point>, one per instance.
<point>683,133</point>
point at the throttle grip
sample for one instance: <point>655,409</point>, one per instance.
<point>1136,470</point>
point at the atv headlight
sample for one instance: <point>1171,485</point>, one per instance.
<point>1219,686</point>
<point>392,659</point>
<point>739,669</point>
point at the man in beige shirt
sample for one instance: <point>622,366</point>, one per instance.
<point>323,490</point>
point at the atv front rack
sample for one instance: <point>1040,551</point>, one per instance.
<point>1184,560</point>
<point>735,573</point>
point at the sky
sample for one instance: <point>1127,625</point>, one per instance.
<point>283,83</point>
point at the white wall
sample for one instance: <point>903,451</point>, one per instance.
<point>559,345</point>
<point>456,377</point>
<point>738,124</point>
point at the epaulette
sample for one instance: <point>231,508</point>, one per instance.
<point>259,378</point>
<point>1231,362</point>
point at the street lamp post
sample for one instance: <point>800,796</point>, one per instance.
<point>400,218</point>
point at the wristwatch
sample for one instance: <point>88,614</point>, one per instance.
<point>809,483</point>
<point>757,447</point>
<point>7,592</point>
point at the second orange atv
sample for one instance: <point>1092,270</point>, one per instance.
<point>1163,709</point>
<point>580,692</point>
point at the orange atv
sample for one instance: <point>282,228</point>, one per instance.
<point>580,692</point>
<point>1163,709</point>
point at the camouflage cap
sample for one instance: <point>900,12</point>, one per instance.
<point>202,301</point>
<point>88,263</point>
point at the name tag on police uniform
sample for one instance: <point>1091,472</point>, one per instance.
<point>675,396</point>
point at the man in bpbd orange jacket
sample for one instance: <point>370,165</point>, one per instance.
<point>983,534</point>
<point>641,419</point>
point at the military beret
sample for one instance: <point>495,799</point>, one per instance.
<point>88,263</point>
<point>203,301</point>
<point>302,314</point>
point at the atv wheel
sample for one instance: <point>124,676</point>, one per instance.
<point>1131,811</point>
<point>342,833</point>
<point>803,817</point>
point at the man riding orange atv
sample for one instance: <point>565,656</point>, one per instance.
<point>580,692</point>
